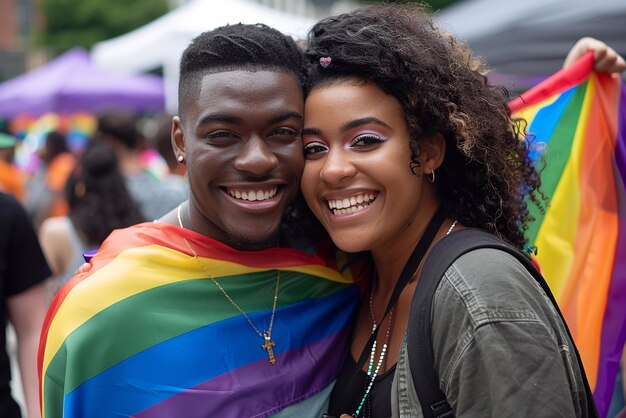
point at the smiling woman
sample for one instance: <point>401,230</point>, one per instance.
<point>357,158</point>
<point>405,143</point>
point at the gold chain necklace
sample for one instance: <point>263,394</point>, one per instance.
<point>267,335</point>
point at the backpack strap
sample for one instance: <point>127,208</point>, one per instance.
<point>419,335</point>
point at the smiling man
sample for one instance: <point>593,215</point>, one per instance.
<point>203,314</point>
<point>242,132</point>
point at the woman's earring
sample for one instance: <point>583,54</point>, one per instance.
<point>180,158</point>
<point>431,176</point>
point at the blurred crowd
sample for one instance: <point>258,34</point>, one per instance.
<point>52,215</point>
<point>75,198</point>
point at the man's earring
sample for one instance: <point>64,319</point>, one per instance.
<point>180,158</point>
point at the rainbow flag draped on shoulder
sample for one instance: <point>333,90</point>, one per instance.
<point>578,119</point>
<point>148,333</point>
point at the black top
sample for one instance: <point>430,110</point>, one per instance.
<point>353,381</point>
<point>350,388</point>
<point>22,265</point>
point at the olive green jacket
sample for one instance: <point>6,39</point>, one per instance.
<point>500,348</point>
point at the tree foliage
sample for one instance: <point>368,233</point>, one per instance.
<point>70,23</point>
<point>440,4</point>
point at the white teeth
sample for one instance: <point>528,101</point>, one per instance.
<point>347,206</point>
<point>348,211</point>
<point>253,195</point>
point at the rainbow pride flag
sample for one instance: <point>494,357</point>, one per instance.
<point>147,333</point>
<point>578,119</point>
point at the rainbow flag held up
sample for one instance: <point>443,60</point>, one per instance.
<point>578,119</point>
<point>148,333</point>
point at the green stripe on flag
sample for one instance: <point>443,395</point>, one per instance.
<point>556,156</point>
<point>184,306</point>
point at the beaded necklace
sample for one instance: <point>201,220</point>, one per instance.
<point>405,276</point>
<point>383,352</point>
<point>373,374</point>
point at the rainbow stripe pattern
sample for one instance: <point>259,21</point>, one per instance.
<point>578,119</point>
<point>147,333</point>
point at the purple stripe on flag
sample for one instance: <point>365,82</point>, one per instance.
<point>613,326</point>
<point>620,149</point>
<point>259,389</point>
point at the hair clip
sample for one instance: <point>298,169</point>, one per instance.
<point>325,61</point>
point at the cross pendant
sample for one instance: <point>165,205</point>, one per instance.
<point>268,346</point>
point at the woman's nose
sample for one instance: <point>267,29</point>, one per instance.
<point>336,167</point>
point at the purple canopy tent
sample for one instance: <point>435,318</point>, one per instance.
<point>71,83</point>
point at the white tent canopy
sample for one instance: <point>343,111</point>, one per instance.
<point>529,37</point>
<point>532,37</point>
<point>160,43</point>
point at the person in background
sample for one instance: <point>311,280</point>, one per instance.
<point>119,131</point>
<point>45,189</point>
<point>99,202</point>
<point>11,177</point>
<point>23,274</point>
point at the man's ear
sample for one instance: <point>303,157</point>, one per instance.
<point>178,137</point>
<point>432,152</point>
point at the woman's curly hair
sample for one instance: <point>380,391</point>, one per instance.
<point>486,176</point>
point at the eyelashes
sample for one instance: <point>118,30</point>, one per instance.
<point>366,140</point>
<point>363,142</point>
<point>313,148</point>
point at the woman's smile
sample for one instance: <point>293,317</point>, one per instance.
<point>357,177</point>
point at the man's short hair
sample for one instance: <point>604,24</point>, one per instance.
<point>237,47</point>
